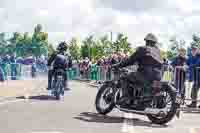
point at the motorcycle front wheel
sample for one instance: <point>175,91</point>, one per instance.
<point>105,95</point>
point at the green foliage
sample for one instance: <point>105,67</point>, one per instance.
<point>22,44</point>
<point>97,48</point>
<point>175,45</point>
<point>121,44</point>
<point>3,43</point>
<point>74,48</point>
<point>195,40</point>
<point>163,54</point>
<point>51,50</point>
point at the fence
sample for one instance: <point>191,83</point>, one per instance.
<point>16,71</point>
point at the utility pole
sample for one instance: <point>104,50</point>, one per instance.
<point>111,39</point>
<point>111,36</point>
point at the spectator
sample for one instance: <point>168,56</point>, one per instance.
<point>193,62</point>
<point>181,59</point>
<point>180,74</point>
<point>13,67</point>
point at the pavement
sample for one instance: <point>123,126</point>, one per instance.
<point>74,113</point>
<point>14,88</point>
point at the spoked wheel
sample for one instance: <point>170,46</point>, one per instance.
<point>167,103</point>
<point>104,100</point>
<point>57,91</point>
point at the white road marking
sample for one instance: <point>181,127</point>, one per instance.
<point>128,125</point>
<point>11,101</point>
<point>46,132</point>
<point>193,130</point>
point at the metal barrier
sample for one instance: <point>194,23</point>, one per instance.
<point>183,87</point>
<point>167,74</point>
<point>19,80</point>
<point>16,71</point>
<point>179,79</point>
<point>196,76</point>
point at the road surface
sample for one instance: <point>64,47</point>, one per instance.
<point>75,113</point>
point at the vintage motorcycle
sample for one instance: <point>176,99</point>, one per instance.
<point>158,100</point>
<point>58,83</point>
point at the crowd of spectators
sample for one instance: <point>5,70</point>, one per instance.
<point>102,66</point>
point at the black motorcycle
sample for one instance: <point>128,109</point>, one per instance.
<point>58,83</point>
<point>157,100</point>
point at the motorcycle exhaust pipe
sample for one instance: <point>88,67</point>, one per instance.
<point>151,111</point>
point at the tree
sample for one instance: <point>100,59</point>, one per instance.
<point>24,45</point>
<point>195,40</point>
<point>39,41</point>
<point>14,42</point>
<point>3,43</point>
<point>175,45</point>
<point>51,50</point>
<point>86,49</point>
<point>106,45</point>
<point>98,50</point>
<point>121,44</point>
<point>163,54</point>
<point>74,48</point>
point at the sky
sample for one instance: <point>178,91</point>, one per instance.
<point>63,19</point>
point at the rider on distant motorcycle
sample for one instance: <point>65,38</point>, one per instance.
<point>150,66</point>
<point>60,61</point>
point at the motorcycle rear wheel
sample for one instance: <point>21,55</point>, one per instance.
<point>170,114</point>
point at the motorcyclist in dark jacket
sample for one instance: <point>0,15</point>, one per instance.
<point>59,61</point>
<point>149,63</point>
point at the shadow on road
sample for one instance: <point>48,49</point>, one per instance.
<point>94,117</point>
<point>40,97</point>
<point>97,118</point>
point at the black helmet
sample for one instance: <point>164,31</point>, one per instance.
<point>62,46</point>
<point>151,37</point>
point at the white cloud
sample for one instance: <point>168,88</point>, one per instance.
<point>66,18</point>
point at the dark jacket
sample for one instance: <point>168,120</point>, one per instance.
<point>149,61</point>
<point>60,60</point>
<point>192,62</point>
<point>179,61</point>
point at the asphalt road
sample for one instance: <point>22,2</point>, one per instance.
<point>76,113</point>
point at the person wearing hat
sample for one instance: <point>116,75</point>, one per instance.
<point>193,62</point>
<point>150,63</point>
<point>181,59</point>
<point>178,64</point>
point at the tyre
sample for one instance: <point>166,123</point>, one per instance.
<point>105,93</point>
<point>57,95</point>
<point>172,110</point>
<point>57,91</point>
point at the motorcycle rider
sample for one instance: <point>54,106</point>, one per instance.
<point>149,63</point>
<point>59,61</point>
